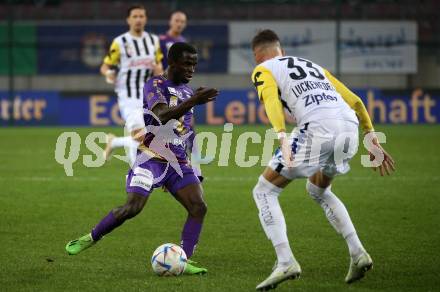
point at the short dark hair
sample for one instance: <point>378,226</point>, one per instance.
<point>263,37</point>
<point>176,51</point>
<point>135,6</point>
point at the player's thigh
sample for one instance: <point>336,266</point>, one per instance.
<point>338,154</point>
<point>275,177</point>
<point>136,200</point>
<point>321,180</point>
<point>127,107</point>
<point>280,175</point>
<point>190,196</point>
<point>133,206</point>
<point>187,188</point>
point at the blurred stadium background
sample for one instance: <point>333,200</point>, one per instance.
<point>51,50</point>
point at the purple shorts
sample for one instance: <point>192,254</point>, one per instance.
<point>143,179</point>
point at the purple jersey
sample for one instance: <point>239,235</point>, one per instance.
<point>166,41</point>
<point>161,90</point>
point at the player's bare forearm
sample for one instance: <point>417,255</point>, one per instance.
<point>109,73</point>
<point>201,96</point>
<point>158,69</point>
<point>104,68</point>
<point>165,113</point>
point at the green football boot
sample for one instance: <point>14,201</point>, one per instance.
<point>358,267</point>
<point>193,270</point>
<point>76,246</point>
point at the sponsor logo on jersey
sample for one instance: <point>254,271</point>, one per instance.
<point>173,100</point>
<point>318,99</point>
<point>142,62</point>
<point>175,92</point>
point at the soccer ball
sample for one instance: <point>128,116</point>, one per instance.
<point>168,259</point>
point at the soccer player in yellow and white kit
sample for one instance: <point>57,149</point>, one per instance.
<point>325,139</point>
<point>133,58</point>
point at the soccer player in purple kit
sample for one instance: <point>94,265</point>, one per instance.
<point>174,34</point>
<point>168,104</point>
<point>177,25</point>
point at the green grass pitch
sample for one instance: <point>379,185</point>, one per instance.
<point>397,219</point>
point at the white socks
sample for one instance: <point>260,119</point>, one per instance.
<point>337,215</point>
<point>122,142</point>
<point>354,245</point>
<point>272,218</point>
<point>128,142</point>
<point>284,254</point>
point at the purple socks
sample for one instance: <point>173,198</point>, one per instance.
<point>190,236</point>
<point>107,224</point>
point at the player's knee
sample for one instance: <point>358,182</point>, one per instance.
<point>198,210</point>
<point>256,192</point>
<point>314,191</point>
<point>134,209</point>
<point>128,211</point>
<point>259,193</point>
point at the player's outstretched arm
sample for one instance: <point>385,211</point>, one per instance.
<point>387,164</point>
<point>353,101</point>
<point>109,73</point>
<point>201,96</point>
<point>267,89</point>
<point>275,114</point>
<point>157,65</point>
<point>111,60</point>
<point>157,69</point>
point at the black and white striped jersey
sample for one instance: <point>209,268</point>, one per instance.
<point>134,57</point>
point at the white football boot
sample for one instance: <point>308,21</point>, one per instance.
<point>358,267</point>
<point>280,274</point>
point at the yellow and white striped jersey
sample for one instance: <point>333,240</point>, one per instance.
<point>307,91</point>
<point>134,57</point>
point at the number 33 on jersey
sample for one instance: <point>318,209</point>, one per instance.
<point>307,91</point>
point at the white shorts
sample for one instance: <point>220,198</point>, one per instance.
<point>127,105</point>
<point>131,112</point>
<point>325,145</point>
